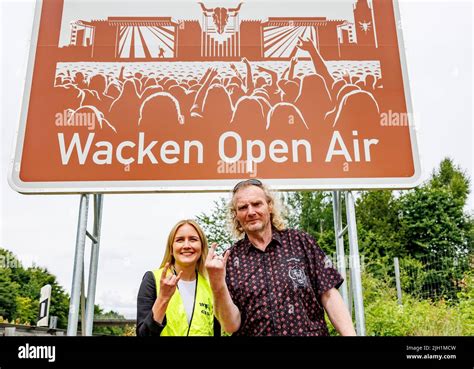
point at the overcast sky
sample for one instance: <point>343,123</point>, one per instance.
<point>42,229</point>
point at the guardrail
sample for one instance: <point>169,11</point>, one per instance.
<point>7,329</point>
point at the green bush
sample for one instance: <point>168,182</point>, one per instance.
<point>385,317</point>
<point>466,305</point>
<point>416,317</point>
<point>26,309</point>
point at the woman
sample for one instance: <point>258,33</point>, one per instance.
<point>176,300</point>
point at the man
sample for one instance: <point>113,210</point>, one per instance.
<point>274,281</point>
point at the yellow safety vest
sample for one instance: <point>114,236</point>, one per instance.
<point>202,318</point>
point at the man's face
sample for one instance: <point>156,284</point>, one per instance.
<point>252,209</point>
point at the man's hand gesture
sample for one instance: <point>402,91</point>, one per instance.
<point>215,265</point>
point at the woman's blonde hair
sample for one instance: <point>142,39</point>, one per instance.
<point>274,204</point>
<point>169,258</point>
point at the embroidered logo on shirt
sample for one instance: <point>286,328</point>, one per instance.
<point>296,273</point>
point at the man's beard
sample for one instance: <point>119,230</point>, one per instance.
<point>259,225</point>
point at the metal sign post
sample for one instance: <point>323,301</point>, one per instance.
<point>78,267</point>
<point>78,278</point>
<point>354,259</point>
<point>339,232</point>
<point>354,264</point>
<point>94,263</point>
<point>397,280</point>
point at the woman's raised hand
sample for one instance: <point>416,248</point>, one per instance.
<point>168,283</point>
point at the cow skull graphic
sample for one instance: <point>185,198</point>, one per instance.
<point>220,15</point>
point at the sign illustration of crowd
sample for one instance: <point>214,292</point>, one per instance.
<point>222,97</point>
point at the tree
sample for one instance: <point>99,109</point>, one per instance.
<point>311,211</point>
<point>26,310</point>
<point>20,292</point>
<point>426,226</point>
<point>59,304</point>
<point>452,178</point>
<point>378,231</point>
<point>108,330</point>
<point>215,225</point>
<point>8,294</point>
<point>432,216</point>
<point>378,224</point>
<point>38,277</point>
<point>426,223</point>
<point>9,288</point>
<point>435,230</point>
<point>431,222</point>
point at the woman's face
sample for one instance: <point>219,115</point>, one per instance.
<point>187,246</point>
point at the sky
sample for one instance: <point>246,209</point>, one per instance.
<point>41,229</point>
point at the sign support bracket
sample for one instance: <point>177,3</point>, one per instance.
<point>78,277</point>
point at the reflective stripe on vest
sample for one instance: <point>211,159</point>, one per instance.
<point>202,318</point>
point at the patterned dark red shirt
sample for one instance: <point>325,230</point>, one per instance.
<point>277,290</point>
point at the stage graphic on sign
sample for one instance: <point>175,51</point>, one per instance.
<point>143,92</point>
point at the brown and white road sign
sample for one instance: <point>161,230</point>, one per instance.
<point>145,96</point>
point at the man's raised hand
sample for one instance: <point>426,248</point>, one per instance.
<point>215,265</point>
